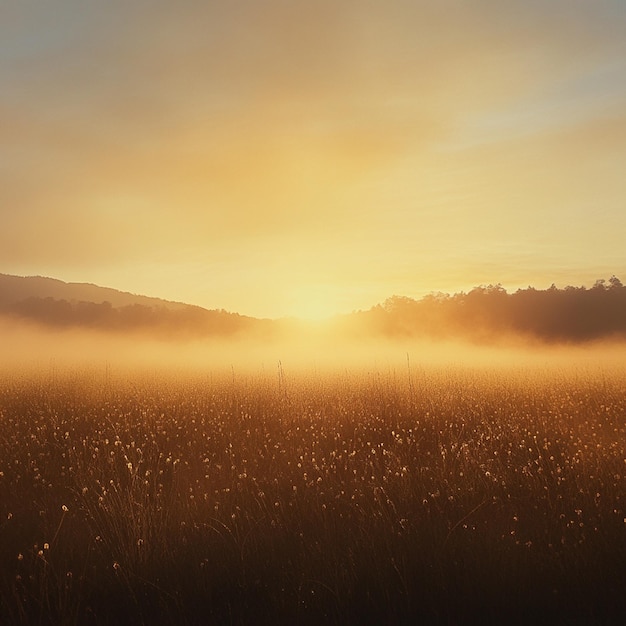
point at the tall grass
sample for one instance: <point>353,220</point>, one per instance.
<point>441,494</point>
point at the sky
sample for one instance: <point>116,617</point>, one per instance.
<point>296,157</point>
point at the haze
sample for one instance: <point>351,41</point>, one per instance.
<point>309,351</point>
<point>307,158</point>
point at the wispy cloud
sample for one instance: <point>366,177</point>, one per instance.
<point>173,129</point>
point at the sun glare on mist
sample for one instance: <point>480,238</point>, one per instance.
<point>313,304</point>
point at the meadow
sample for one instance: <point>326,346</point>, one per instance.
<point>414,493</point>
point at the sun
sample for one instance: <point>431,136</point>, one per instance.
<point>315,304</point>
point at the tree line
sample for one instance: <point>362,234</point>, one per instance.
<point>570,314</point>
<point>62,313</point>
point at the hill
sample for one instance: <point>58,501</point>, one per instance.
<point>54,303</point>
<point>14,289</point>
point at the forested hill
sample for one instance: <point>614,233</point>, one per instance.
<point>572,314</point>
<point>53,303</point>
<point>15,289</point>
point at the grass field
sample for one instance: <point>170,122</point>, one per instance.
<point>430,494</point>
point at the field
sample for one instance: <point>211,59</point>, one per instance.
<point>435,494</point>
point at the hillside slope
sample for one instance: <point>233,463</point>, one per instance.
<point>14,289</point>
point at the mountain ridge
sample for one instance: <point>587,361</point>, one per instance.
<point>53,303</point>
<point>14,289</point>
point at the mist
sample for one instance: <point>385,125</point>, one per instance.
<point>305,350</point>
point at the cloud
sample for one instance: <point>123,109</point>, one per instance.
<point>151,130</point>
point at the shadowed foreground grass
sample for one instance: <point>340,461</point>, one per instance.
<point>448,496</point>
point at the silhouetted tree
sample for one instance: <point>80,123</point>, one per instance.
<point>569,314</point>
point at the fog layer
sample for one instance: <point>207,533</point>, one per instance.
<point>34,348</point>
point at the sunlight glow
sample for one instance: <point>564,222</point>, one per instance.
<point>314,304</point>
<point>348,153</point>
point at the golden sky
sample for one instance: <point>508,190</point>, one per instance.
<point>296,157</point>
